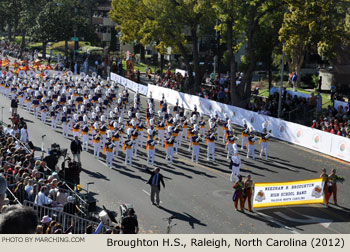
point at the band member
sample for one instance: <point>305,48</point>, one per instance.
<point>108,150</point>
<point>195,140</point>
<point>211,137</point>
<point>176,133</point>
<point>251,145</point>
<point>238,194</point>
<point>230,142</point>
<point>76,129</point>
<point>264,142</point>
<point>53,119</point>
<point>103,130</point>
<point>244,135</point>
<point>85,135</point>
<point>201,125</point>
<point>235,166</point>
<point>227,122</point>
<point>248,192</point>
<point>64,120</point>
<point>116,136</point>
<point>134,136</point>
<point>128,146</point>
<point>96,141</point>
<point>169,147</point>
<point>43,110</point>
<point>140,127</point>
<point>161,128</point>
<point>150,147</point>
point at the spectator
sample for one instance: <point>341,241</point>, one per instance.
<point>42,198</point>
<point>76,148</point>
<point>130,224</point>
<point>18,220</point>
<point>14,105</point>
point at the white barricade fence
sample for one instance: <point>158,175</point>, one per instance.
<point>129,84</point>
<point>340,147</point>
<point>337,104</point>
<point>308,137</point>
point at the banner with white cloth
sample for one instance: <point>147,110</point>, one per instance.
<point>308,137</point>
<point>288,193</point>
<point>337,104</point>
<point>142,89</point>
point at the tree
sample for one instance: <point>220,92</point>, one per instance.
<point>242,22</point>
<point>165,22</point>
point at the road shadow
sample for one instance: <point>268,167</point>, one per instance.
<point>96,175</point>
<point>192,221</point>
<point>295,217</point>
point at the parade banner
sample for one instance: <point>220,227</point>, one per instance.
<point>129,84</point>
<point>288,193</point>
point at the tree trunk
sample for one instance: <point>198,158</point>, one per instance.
<point>23,43</point>
<point>44,50</point>
<point>161,63</point>
<point>233,87</point>
<point>188,66</point>
<point>142,53</point>
<point>66,48</point>
<point>269,62</point>
<point>195,52</point>
<point>298,69</point>
<point>9,29</point>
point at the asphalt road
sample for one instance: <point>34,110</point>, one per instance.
<point>200,195</point>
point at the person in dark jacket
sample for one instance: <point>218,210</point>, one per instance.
<point>154,181</point>
<point>14,105</point>
<point>76,148</point>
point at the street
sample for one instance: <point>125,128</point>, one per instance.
<point>200,195</point>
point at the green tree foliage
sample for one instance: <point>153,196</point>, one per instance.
<point>321,26</point>
<point>166,22</point>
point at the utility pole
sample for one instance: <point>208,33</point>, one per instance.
<point>281,86</point>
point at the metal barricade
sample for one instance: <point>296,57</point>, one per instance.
<point>65,219</point>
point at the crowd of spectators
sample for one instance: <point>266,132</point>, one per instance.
<point>336,121</point>
<point>23,177</point>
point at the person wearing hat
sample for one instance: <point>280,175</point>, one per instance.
<point>116,136</point>
<point>129,224</point>
<point>96,141</point>
<point>108,150</point>
<point>150,147</point>
<point>201,124</point>
<point>85,134</point>
<point>230,142</point>
<point>169,146</point>
<point>211,137</point>
<point>128,146</point>
<point>235,166</point>
<point>251,145</point>
<point>160,128</point>
<point>244,135</point>
<point>154,181</point>
<point>264,142</point>
<point>195,141</point>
